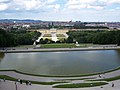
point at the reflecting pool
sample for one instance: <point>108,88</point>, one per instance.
<point>61,63</point>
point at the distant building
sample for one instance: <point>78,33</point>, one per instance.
<point>26,26</point>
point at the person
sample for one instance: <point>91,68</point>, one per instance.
<point>29,83</point>
<point>15,82</point>
<point>4,79</point>
<point>15,85</point>
<point>112,84</point>
<point>20,81</point>
<point>99,76</point>
<point>26,82</point>
<point>103,75</point>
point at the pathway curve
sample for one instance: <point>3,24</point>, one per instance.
<point>38,40</point>
<point>54,37</point>
<point>58,49</point>
<point>50,79</point>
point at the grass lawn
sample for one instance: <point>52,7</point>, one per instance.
<point>55,45</point>
<point>25,46</point>
<point>85,45</point>
<point>64,45</point>
<point>33,82</point>
<point>7,78</point>
<point>80,85</point>
<point>47,35</point>
<point>61,45</point>
<point>60,35</point>
<point>107,79</point>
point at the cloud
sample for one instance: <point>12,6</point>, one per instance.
<point>112,1</point>
<point>3,6</point>
<point>1,1</point>
<point>61,9</point>
<point>79,4</point>
<point>118,8</point>
<point>31,4</point>
<point>49,1</point>
<point>96,7</point>
<point>87,1</point>
<point>27,4</point>
<point>90,4</point>
<point>92,1</point>
<point>80,1</point>
<point>55,6</point>
<point>109,2</point>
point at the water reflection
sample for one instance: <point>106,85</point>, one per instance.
<point>2,55</point>
<point>118,55</point>
<point>62,63</point>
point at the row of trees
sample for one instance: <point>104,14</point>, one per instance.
<point>19,37</point>
<point>95,37</point>
<point>23,37</point>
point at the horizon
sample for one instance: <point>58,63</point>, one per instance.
<point>55,20</point>
<point>61,10</point>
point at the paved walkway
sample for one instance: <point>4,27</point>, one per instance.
<point>54,37</point>
<point>10,85</point>
<point>37,78</point>
<point>38,40</point>
<point>58,49</point>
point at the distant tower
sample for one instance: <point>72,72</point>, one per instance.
<point>52,25</point>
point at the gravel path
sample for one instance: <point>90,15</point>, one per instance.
<point>58,49</point>
<point>10,85</point>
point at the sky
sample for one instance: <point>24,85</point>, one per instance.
<point>61,10</point>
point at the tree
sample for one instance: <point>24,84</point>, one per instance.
<point>70,39</point>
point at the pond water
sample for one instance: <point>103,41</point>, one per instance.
<point>61,63</point>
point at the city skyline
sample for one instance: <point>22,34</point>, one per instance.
<point>61,10</point>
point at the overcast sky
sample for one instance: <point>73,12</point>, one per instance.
<point>61,10</point>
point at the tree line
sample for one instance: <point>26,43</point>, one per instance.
<point>23,37</point>
<point>95,37</point>
<point>17,37</point>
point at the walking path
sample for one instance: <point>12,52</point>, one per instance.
<point>66,35</point>
<point>48,79</point>
<point>58,49</point>
<point>38,40</point>
<point>54,37</point>
<point>10,85</point>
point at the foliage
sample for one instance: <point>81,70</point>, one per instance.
<point>23,37</point>
<point>108,79</point>
<point>95,37</point>
<point>33,82</point>
<point>57,45</point>
<point>19,37</point>
<point>46,41</point>
<point>80,85</point>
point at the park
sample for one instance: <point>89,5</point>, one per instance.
<point>72,63</point>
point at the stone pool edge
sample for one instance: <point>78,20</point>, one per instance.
<point>81,75</point>
<point>57,49</point>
